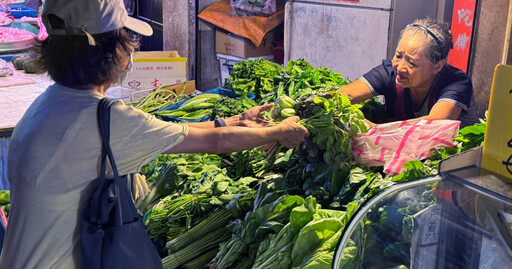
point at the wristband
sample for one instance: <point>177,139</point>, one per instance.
<point>220,122</point>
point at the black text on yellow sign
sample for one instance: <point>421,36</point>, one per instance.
<point>497,150</point>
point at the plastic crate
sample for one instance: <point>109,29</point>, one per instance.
<point>221,91</point>
<point>18,12</point>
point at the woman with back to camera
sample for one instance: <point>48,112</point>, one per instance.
<point>417,82</point>
<point>55,149</point>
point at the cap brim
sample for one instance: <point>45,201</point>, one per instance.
<point>138,26</point>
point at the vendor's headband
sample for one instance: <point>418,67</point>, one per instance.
<point>428,32</point>
<point>443,54</point>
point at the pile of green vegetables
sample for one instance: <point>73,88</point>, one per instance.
<point>285,210</point>
<point>168,105</point>
<point>208,106</point>
<point>268,80</point>
<point>194,108</point>
<point>158,99</point>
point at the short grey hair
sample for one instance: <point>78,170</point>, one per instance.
<point>437,46</point>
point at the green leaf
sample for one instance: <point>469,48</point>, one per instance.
<point>318,100</point>
<point>312,236</point>
<point>303,214</point>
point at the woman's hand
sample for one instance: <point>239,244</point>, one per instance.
<point>251,117</point>
<point>292,133</point>
<point>371,124</point>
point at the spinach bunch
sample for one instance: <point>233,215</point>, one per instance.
<point>253,76</point>
<point>268,80</point>
<point>228,107</point>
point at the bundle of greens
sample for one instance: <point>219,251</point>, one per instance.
<point>253,76</point>
<point>158,99</point>
<point>472,136</point>
<point>307,241</point>
<point>194,108</point>
<point>208,242</point>
<point>179,212</point>
<point>327,154</point>
<point>268,80</point>
<point>228,107</point>
<point>176,173</point>
<point>270,211</point>
<point>198,246</point>
<point>187,187</point>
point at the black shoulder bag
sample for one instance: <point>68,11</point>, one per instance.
<point>112,233</point>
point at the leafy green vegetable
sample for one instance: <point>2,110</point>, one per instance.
<point>311,237</point>
<point>253,228</point>
<point>471,136</point>
<point>5,200</point>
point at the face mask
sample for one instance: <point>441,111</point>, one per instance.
<point>124,73</point>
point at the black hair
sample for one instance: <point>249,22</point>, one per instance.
<point>70,60</point>
<point>439,37</point>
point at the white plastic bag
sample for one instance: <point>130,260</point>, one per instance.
<point>393,144</point>
<point>263,8</point>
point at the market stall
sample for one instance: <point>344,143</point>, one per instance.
<point>268,208</point>
<point>351,195</point>
<point>287,209</point>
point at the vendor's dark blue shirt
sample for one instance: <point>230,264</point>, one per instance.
<point>452,85</point>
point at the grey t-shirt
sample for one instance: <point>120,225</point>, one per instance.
<point>54,156</point>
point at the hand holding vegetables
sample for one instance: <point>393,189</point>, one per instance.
<point>293,133</point>
<point>283,108</point>
<point>251,117</point>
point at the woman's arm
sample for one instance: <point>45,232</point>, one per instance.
<point>443,110</point>
<point>250,118</point>
<point>232,139</point>
<point>358,91</point>
<point>201,125</point>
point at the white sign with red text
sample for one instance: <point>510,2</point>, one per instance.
<point>152,69</point>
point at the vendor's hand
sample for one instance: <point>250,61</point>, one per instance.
<point>251,117</point>
<point>292,132</point>
<point>371,124</point>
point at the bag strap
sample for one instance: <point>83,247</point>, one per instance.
<point>103,113</point>
<point>104,126</point>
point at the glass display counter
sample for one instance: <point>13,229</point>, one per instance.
<point>459,219</point>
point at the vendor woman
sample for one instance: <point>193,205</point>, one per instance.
<point>418,83</point>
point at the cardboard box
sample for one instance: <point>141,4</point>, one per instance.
<point>152,69</point>
<point>186,87</point>
<point>183,88</point>
<point>131,95</point>
<point>231,44</point>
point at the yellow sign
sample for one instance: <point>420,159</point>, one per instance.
<point>497,150</point>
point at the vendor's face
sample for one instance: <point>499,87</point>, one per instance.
<point>412,68</point>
